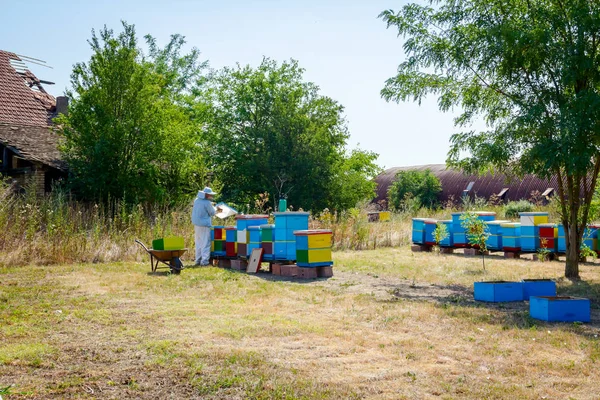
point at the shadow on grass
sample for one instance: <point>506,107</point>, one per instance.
<point>457,300</point>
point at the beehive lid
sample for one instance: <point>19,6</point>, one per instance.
<point>230,228</point>
<point>422,219</point>
<point>511,225</point>
<point>431,221</point>
<point>499,222</point>
<point>445,221</point>
<point>484,212</point>
<point>251,216</point>
<point>267,226</point>
<point>218,226</point>
<point>291,213</point>
<point>548,225</point>
<point>313,232</point>
<point>533,213</point>
<point>457,213</point>
<point>254,228</point>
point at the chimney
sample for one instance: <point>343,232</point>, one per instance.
<point>62,105</point>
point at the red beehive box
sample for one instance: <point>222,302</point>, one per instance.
<point>230,249</point>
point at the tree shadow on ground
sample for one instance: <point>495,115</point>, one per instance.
<point>508,314</point>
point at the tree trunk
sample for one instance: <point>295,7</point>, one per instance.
<point>572,265</point>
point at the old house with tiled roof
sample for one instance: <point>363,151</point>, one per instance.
<point>28,140</point>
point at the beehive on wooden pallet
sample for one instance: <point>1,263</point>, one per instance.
<point>313,248</point>
<point>430,226</point>
<point>530,230</point>
<point>285,225</point>
<point>218,236</point>
<point>230,241</point>
<point>253,239</point>
<point>418,230</point>
<point>494,241</point>
<point>448,241</point>
<point>243,236</point>
<point>548,237</point>
<point>511,236</point>
<point>266,241</point>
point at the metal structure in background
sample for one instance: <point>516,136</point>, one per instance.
<point>455,184</point>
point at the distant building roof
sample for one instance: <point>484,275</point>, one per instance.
<point>23,100</point>
<point>34,143</point>
<point>455,183</point>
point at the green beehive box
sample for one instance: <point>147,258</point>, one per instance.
<point>168,243</point>
<point>219,245</point>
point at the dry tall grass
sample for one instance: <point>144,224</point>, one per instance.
<point>57,230</point>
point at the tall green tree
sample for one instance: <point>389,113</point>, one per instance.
<point>422,186</point>
<point>269,130</point>
<point>530,69</point>
<point>128,134</point>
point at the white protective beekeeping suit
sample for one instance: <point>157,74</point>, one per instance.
<point>202,213</point>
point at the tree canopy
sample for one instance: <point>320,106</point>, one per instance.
<point>421,186</point>
<point>128,134</point>
<point>530,70</point>
<point>269,130</point>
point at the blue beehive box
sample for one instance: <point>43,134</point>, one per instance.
<point>499,291</point>
<point>230,234</point>
<point>530,237</point>
<point>288,222</point>
<point>589,234</point>
<point>494,241</point>
<point>487,216</point>
<point>456,222</point>
<point>430,226</point>
<point>511,236</point>
<point>562,244</point>
<point>448,241</point>
<point>559,308</point>
<point>418,230</point>
<point>538,287</point>
<point>285,250</point>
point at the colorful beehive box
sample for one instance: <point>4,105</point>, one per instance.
<point>511,236</point>
<point>230,241</point>
<point>533,218</point>
<point>254,239</point>
<point>168,243</point>
<point>418,230</point>
<point>494,241</point>
<point>499,291</point>
<point>538,287</point>
<point>430,226</point>
<point>548,237</point>
<point>559,308</point>
<point>285,225</point>
<point>562,243</point>
<point>267,233</point>
<point>313,248</point>
<point>486,216</point>
<point>590,237</point>
<point>218,247</point>
<point>595,238</point>
<point>448,240</point>
<point>243,222</point>
<point>384,216</point>
<point>530,238</point>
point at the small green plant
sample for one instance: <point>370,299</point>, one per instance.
<point>439,234</point>
<point>477,232</point>
<point>585,252</point>
<point>543,252</point>
<point>5,390</point>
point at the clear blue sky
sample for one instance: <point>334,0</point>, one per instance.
<point>343,46</point>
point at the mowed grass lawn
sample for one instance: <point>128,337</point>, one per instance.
<point>389,325</point>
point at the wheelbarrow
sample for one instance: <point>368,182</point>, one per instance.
<point>171,258</point>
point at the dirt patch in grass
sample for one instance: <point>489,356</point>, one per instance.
<point>389,324</point>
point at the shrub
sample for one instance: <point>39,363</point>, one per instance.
<point>422,186</point>
<point>513,208</point>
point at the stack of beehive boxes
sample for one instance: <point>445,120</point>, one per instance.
<point>494,241</point>
<point>218,241</point>
<point>448,241</point>
<point>285,225</point>
<point>253,239</point>
<point>266,241</point>
<point>313,253</point>
<point>530,230</point>
<point>230,241</point>
<point>549,237</point>
<point>418,230</point>
<point>243,236</point>
<point>511,236</point>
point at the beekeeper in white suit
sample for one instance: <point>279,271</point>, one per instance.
<point>202,213</point>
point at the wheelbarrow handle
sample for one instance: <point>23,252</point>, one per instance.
<point>142,244</point>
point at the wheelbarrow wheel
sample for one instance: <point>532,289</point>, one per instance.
<point>176,266</point>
